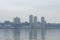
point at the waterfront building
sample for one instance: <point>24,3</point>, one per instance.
<point>31,20</point>
<point>35,21</point>
<point>16,20</point>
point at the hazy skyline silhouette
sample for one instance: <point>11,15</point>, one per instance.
<point>50,9</point>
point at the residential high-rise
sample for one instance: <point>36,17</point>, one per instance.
<point>35,20</point>
<point>16,20</point>
<point>42,19</point>
<point>43,22</point>
<point>31,20</point>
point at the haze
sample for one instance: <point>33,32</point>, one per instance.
<point>50,9</point>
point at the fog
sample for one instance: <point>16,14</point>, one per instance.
<point>50,9</point>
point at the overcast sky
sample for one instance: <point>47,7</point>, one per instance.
<point>50,9</point>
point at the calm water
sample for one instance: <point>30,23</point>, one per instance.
<point>9,34</point>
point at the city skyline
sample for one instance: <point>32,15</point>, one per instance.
<point>29,19</point>
<point>50,9</point>
<point>34,19</point>
<point>26,18</point>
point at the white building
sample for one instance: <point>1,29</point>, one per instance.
<point>31,19</point>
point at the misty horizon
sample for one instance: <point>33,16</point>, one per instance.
<point>21,19</point>
<point>50,9</point>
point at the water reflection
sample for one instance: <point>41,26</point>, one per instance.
<point>23,34</point>
<point>6,34</point>
<point>16,34</point>
<point>43,32</point>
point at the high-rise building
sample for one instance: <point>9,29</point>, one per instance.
<point>16,20</point>
<point>35,21</point>
<point>43,22</point>
<point>42,19</point>
<point>31,19</point>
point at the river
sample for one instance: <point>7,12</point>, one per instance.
<point>9,34</point>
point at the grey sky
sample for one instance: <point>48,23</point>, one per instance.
<point>50,9</point>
